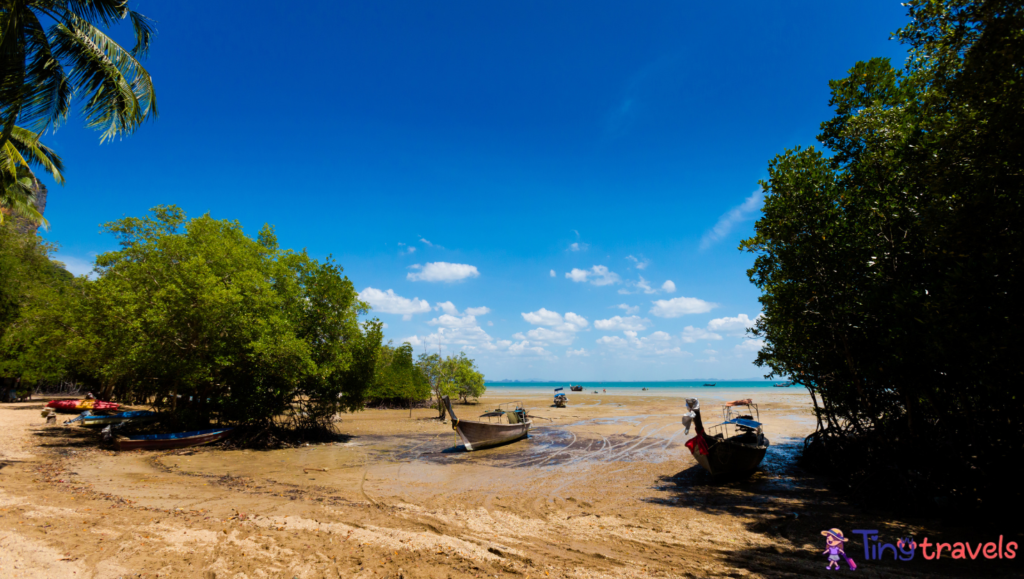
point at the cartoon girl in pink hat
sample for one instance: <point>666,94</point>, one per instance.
<point>834,540</point>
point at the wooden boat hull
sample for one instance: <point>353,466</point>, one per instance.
<point>479,435</point>
<point>171,441</point>
<point>576,388</point>
<point>729,456</point>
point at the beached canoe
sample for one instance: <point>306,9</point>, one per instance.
<point>476,435</point>
<point>735,446</point>
<point>133,415</point>
<point>169,441</point>
<point>76,406</point>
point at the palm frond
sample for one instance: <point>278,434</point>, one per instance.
<point>17,197</point>
<point>35,152</point>
<point>144,33</point>
<point>12,63</point>
<point>120,94</point>
<point>47,98</point>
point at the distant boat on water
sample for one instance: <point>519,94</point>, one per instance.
<point>576,388</point>
<point>784,385</point>
<point>710,385</point>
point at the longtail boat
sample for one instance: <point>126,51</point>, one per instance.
<point>476,435</point>
<point>169,441</point>
<point>133,416</point>
<point>576,388</point>
<point>737,445</point>
<point>76,406</point>
<point>560,400</point>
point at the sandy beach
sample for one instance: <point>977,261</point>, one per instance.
<point>602,488</point>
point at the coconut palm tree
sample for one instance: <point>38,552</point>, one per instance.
<point>18,184</point>
<point>53,51</point>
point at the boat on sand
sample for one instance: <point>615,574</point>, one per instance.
<point>576,388</point>
<point>170,441</point>
<point>510,425</point>
<point>735,446</point>
<point>134,416</point>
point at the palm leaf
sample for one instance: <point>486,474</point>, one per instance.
<point>120,91</point>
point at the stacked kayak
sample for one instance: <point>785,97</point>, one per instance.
<point>76,406</point>
<point>133,416</point>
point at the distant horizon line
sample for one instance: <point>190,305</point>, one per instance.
<point>506,381</point>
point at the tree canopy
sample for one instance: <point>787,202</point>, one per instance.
<point>209,324</point>
<point>889,265</point>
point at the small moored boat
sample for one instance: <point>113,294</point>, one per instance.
<point>576,388</point>
<point>169,441</point>
<point>133,416</point>
<point>560,400</point>
<point>476,435</point>
<point>710,385</point>
<point>737,445</point>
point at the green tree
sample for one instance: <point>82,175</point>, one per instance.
<point>42,69</point>
<point>889,270</point>
<point>208,324</point>
<point>452,376</point>
<point>397,379</point>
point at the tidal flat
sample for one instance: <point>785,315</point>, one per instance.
<point>602,488</point>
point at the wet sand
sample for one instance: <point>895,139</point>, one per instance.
<point>602,488</point>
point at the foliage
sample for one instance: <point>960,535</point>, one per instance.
<point>889,269</point>
<point>452,376</point>
<point>208,324</point>
<point>397,379</point>
<point>18,184</point>
<point>26,272</point>
<point>43,69</point>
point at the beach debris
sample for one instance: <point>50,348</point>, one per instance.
<point>309,468</point>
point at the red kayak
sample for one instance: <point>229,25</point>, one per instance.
<point>76,406</point>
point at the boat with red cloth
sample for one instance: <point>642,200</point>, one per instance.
<point>77,406</point>
<point>737,445</point>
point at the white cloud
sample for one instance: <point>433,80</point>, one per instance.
<point>621,323</point>
<point>428,244</point>
<point>482,310</point>
<point>447,307</point>
<point>710,352</point>
<point>442,271</point>
<point>642,285</point>
<point>733,326</point>
<point>553,274</point>
<point>75,265</point>
<point>578,247</point>
<point>628,308</point>
<point>640,264</point>
<point>581,352</point>
<point>750,346</point>
<point>450,321</point>
<point>490,323</point>
<point>660,336</point>
<point>543,317</point>
<point>575,320</point>
<point>596,275</point>
<point>390,303</point>
<point>681,306</point>
<point>727,221</point>
<point>692,334</point>
<point>560,330</point>
<point>548,336</point>
<point>613,341</point>
<point>524,348</point>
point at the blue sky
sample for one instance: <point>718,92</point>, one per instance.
<point>559,188</point>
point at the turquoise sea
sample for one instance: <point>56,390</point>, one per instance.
<point>681,388</point>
